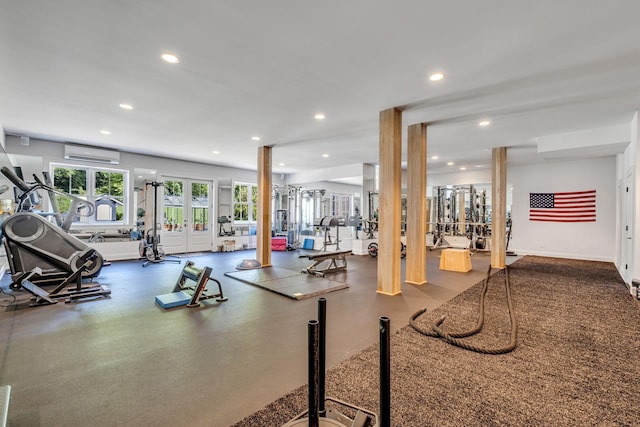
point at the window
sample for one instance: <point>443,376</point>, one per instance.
<point>173,205</point>
<point>105,188</point>
<point>341,205</point>
<point>200,206</point>
<point>245,203</point>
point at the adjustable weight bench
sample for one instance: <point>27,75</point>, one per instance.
<point>337,262</point>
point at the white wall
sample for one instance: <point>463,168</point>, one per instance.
<point>595,241</point>
<point>589,240</point>
<point>49,151</point>
<point>2,137</point>
<point>474,176</point>
<point>37,156</point>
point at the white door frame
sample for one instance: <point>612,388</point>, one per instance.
<point>186,236</point>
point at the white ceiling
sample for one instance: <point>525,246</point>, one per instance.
<point>256,67</point>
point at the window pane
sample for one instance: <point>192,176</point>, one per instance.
<point>173,205</point>
<point>109,183</point>
<point>72,181</point>
<point>254,203</point>
<point>200,206</point>
<point>241,202</point>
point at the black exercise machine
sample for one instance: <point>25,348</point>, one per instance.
<point>222,220</point>
<point>150,247</point>
<point>40,253</point>
<point>318,413</point>
<point>372,249</point>
<point>191,295</point>
<point>26,195</point>
<point>326,223</point>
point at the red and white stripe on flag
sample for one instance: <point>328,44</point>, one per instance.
<point>574,206</point>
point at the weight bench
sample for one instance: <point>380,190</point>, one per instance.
<point>337,262</point>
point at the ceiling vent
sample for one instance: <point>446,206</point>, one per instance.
<point>90,154</point>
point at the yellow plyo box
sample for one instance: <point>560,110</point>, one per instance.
<point>455,260</point>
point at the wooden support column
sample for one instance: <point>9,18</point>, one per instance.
<point>499,207</point>
<point>416,273</point>
<point>390,202</point>
<point>265,185</point>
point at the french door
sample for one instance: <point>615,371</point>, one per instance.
<point>187,209</point>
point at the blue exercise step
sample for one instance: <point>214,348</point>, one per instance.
<point>174,299</point>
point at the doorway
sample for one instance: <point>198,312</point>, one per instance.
<point>628,227</point>
<point>186,222</point>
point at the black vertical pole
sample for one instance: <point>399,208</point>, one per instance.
<point>385,373</point>
<point>313,373</point>
<point>155,221</point>
<point>322,350</point>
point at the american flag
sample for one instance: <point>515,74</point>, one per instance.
<point>575,206</point>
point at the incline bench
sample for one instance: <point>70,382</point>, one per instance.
<point>337,262</point>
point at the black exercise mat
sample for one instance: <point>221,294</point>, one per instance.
<point>291,284</point>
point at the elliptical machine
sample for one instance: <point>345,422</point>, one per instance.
<point>41,253</point>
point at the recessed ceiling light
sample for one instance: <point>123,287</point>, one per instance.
<point>434,157</point>
<point>126,106</point>
<point>281,164</point>
<point>478,166</point>
<point>105,132</point>
<point>463,168</point>
<point>325,155</point>
<point>484,122</point>
<point>436,77</point>
<point>319,116</point>
<point>170,58</point>
<point>450,163</point>
<point>215,152</point>
<point>255,138</point>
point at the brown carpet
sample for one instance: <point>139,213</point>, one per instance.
<point>575,362</point>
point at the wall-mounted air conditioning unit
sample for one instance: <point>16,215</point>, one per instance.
<point>91,154</point>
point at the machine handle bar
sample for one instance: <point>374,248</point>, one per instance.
<point>11,176</point>
<point>78,203</point>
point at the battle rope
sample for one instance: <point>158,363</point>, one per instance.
<point>452,338</point>
<point>2,292</point>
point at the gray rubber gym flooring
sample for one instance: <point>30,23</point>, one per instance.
<point>125,361</point>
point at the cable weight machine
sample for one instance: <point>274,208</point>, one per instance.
<point>150,247</point>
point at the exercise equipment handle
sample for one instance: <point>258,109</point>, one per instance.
<point>385,372</point>
<point>11,176</point>
<point>314,416</point>
<point>322,353</point>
